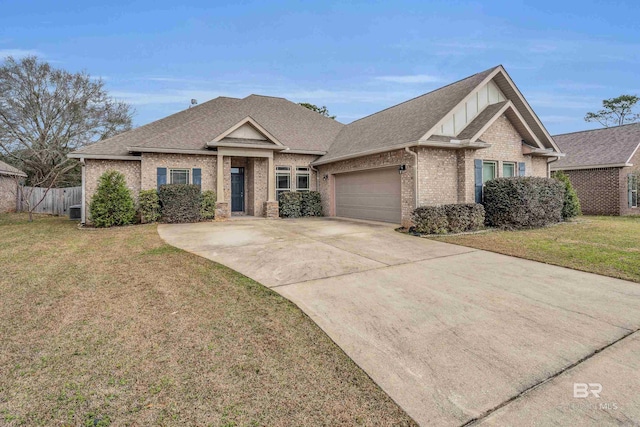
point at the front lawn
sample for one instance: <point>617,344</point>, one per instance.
<point>113,326</point>
<point>604,245</point>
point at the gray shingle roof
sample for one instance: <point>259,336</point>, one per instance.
<point>482,119</point>
<point>297,127</point>
<point>402,123</point>
<point>608,146</point>
<point>293,125</point>
<point>6,169</point>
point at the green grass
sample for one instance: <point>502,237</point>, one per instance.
<point>114,327</point>
<point>603,245</point>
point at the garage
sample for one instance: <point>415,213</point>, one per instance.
<point>371,194</point>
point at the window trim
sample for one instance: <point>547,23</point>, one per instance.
<point>303,171</point>
<point>170,173</point>
<point>515,169</point>
<point>495,170</point>
<point>633,178</point>
<point>282,171</point>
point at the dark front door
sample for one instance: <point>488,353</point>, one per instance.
<point>237,189</point>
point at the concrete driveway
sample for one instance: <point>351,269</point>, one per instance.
<point>454,335</point>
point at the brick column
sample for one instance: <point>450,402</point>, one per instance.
<point>223,209</point>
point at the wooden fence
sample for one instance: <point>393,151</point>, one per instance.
<point>55,202</point>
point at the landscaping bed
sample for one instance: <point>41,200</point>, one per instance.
<point>116,327</point>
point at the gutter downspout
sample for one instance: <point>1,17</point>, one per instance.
<point>84,196</point>
<point>317,176</point>
<point>555,159</point>
<point>415,175</point>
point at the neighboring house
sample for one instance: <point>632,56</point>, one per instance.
<point>434,149</point>
<point>9,181</point>
<point>604,168</point>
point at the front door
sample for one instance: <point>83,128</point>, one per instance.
<point>237,189</point>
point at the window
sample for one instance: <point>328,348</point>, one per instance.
<point>302,179</point>
<point>283,180</point>
<point>178,176</point>
<point>508,169</point>
<point>633,190</point>
<point>489,171</point>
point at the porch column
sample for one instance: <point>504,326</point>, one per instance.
<point>222,207</point>
<point>271,181</point>
<point>271,205</point>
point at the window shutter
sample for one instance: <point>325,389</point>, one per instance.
<point>162,177</point>
<point>478,177</point>
<point>630,189</point>
<point>521,169</point>
<point>197,177</point>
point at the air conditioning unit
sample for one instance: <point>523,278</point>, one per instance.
<point>75,212</point>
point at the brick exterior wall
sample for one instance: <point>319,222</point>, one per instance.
<point>143,174</point>
<point>447,176</point>
<point>391,158</point>
<point>604,191</point>
<point>95,168</point>
<point>8,193</point>
<point>152,161</point>
<point>598,190</point>
<point>293,161</point>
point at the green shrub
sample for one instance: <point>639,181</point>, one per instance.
<point>430,220</point>
<point>311,203</point>
<point>464,217</point>
<point>149,206</point>
<point>523,202</point>
<point>454,218</point>
<point>180,202</point>
<point>112,203</point>
<point>208,205</point>
<point>571,206</point>
<point>290,204</point>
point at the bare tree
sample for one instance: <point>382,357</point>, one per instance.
<point>615,111</point>
<point>45,113</point>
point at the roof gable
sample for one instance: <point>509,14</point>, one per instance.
<point>246,129</point>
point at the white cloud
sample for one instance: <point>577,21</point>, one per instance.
<point>411,78</point>
<point>19,53</point>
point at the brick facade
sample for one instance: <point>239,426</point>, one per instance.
<point>8,193</point>
<point>445,175</point>
<point>604,191</point>
<point>597,190</point>
<point>391,158</point>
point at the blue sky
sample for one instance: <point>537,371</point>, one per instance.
<point>355,57</point>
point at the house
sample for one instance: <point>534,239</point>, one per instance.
<point>9,181</point>
<point>603,166</point>
<point>438,148</point>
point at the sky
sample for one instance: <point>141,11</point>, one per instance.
<point>355,57</point>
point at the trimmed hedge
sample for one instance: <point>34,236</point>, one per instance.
<point>464,217</point>
<point>293,204</point>
<point>454,218</point>
<point>523,202</point>
<point>311,203</point>
<point>571,207</point>
<point>180,203</point>
<point>208,205</point>
<point>290,204</point>
<point>112,203</point>
<point>149,206</point>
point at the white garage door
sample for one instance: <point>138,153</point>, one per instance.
<point>371,194</point>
